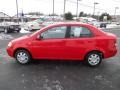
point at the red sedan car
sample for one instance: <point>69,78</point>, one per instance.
<point>64,41</point>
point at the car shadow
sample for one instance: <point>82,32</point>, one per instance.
<point>61,63</point>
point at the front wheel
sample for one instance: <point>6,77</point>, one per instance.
<point>93,59</point>
<point>22,56</point>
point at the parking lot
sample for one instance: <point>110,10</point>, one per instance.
<point>57,75</point>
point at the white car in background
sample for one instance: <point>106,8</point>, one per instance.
<point>33,25</point>
<point>95,23</point>
<point>91,21</point>
<point>47,23</point>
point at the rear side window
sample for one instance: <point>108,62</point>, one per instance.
<point>77,31</point>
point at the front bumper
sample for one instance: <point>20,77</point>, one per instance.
<point>10,51</point>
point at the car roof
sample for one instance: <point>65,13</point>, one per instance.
<point>69,23</point>
<point>55,24</point>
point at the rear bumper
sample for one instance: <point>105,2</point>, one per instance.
<point>110,53</point>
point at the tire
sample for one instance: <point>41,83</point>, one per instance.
<point>5,31</point>
<point>93,59</point>
<point>22,57</point>
<point>18,31</point>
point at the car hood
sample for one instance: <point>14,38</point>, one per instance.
<point>23,39</point>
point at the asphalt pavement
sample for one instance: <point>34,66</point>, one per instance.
<point>57,75</point>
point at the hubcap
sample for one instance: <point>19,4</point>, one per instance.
<point>22,57</point>
<point>94,59</point>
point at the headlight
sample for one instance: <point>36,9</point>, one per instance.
<point>9,44</point>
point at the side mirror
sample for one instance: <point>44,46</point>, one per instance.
<point>39,37</point>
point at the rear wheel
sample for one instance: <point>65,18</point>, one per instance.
<point>93,59</point>
<point>22,56</point>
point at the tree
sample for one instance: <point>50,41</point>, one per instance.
<point>35,13</point>
<point>81,14</point>
<point>105,16</point>
<point>68,16</point>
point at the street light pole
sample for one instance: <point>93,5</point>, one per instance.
<point>95,3</point>
<point>53,10</point>
<point>17,10</point>
<point>77,10</point>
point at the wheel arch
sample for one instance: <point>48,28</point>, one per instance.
<point>21,48</point>
<point>96,51</point>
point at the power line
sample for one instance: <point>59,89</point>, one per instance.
<point>84,5</point>
<point>116,1</point>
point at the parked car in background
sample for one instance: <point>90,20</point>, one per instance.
<point>64,41</point>
<point>8,27</point>
<point>98,24</point>
<point>103,24</point>
<point>91,21</point>
<point>118,23</point>
<point>47,23</point>
<point>33,25</point>
<point>95,23</point>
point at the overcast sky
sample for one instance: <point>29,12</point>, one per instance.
<point>45,6</point>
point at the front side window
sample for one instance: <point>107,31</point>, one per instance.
<point>77,31</point>
<point>53,33</point>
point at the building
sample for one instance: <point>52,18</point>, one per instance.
<point>116,18</point>
<point>4,17</point>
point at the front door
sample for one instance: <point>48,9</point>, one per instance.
<point>51,43</point>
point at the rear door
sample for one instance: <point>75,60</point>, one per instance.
<point>80,39</point>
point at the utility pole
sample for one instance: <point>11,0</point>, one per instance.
<point>53,10</point>
<point>64,8</point>
<point>17,10</point>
